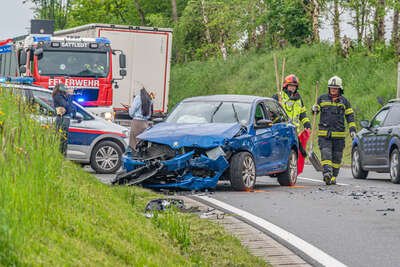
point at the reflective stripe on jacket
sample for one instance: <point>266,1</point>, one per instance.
<point>333,114</point>
<point>296,111</point>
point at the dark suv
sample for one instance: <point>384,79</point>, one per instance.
<point>376,147</point>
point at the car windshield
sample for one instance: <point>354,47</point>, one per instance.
<point>71,63</point>
<point>45,100</point>
<point>211,112</point>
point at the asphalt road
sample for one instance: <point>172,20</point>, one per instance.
<point>357,222</point>
<point>354,222</point>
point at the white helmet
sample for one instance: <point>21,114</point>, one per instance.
<point>335,81</point>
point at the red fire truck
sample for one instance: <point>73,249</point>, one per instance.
<point>84,64</point>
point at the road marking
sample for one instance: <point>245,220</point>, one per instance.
<point>310,250</point>
<point>317,181</point>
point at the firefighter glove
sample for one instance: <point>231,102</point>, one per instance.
<point>315,108</point>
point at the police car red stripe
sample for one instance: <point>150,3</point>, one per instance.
<point>88,131</point>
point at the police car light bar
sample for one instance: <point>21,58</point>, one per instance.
<point>20,80</point>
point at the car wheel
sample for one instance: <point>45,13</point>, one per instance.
<point>289,177</point>
<point>106,157</point>
<point>394,166</point>
<point>242,171</point>
<point>356,167</point>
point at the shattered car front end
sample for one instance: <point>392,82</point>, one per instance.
<point>191,161</point>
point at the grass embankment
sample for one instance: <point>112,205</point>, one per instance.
<point>53,213</point>
<point>365,77</point>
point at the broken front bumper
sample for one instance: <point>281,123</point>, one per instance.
<point>189,171</point>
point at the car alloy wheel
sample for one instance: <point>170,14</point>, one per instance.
<point>356,168</point>
<point>249,171</point>
<point>293,168</point>
<point>107,158</point>
<point>289,177</point>
<point>355,163</point>
<point>394,166</point>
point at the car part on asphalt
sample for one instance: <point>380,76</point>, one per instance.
<point>162,204</point>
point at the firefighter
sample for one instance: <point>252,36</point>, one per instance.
<point>293,104</point>
<point>334,108</point>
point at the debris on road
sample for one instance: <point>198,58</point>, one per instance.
<point>162,204</point>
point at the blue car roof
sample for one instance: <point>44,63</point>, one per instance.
<point>229,98</point>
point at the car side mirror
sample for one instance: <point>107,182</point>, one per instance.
<point>365,124</point>
<point>263,124</point>
<point>78,118</point>
<point>22,58</point>
<point>122,61</point>
<point>22,69</point>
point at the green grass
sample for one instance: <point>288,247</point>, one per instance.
<point>52,213</point>
<point>365,77</point>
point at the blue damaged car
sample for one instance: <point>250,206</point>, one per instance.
<point>210,138</point>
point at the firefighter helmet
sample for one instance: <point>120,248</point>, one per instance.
<point>336,82</point>
<point>291,80</point>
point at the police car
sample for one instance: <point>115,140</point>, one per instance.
<point>92,140</point>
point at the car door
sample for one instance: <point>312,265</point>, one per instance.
<point>372,141</point>
<point>280,128</point>
<point>264,142</point>
<point>386,133</point>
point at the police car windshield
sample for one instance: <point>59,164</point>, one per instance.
<point>73,63</point>
<point>45,100</point>
<point>211,112</point>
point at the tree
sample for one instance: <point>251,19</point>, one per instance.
<point>314,8</point>
<point>288,20</point>
<point>336,23</point>
<point>361,10</point>
<point>56,10</point>
<point>379,21</point>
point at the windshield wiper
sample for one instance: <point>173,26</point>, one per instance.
<point>215,111</point>
<point>236,115</point>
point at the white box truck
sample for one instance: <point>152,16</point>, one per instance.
<point>148,61</point>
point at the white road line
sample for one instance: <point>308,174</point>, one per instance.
<point>317,181</point>
<point>310,250</point>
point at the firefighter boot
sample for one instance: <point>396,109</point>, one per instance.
<point>327,178</point>
<point>333,180</point>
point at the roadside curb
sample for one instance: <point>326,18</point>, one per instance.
<point>257,242</point>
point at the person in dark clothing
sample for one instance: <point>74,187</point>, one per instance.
<point>65,111</point>
<point>334,108</point>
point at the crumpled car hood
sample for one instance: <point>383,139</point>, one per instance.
<point>177,135</point>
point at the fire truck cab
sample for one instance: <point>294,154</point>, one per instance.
<point>84,64</point>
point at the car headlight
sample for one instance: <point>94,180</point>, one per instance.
<point>109,116</point>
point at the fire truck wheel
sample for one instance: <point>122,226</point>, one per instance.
<point>106,157</point>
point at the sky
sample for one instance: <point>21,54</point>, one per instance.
<point>15,18</point>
